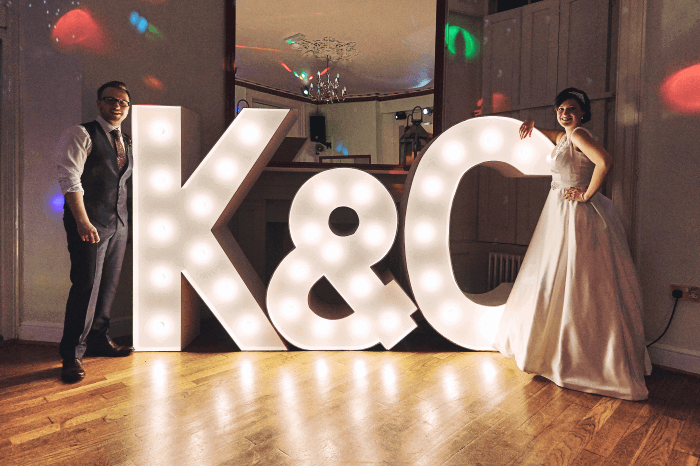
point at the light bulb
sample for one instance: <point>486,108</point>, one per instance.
<point>453,153</point>
<point>250,134</point>
<point>424,233</point>
<point>161,277</point>
<point>361,286</point>
<point>332,252</point>
<point>431,281</point>
<point>361,193</point>
<point>312,233</point>
<point>161,180</point>
<point>491,140</point>
<point>374,235</point>
<point>432,186</point>
<point>226,169</point>
<point>325,194</point>
<point>299,270</point>
<point>226,289</point>
<point>322,328</point>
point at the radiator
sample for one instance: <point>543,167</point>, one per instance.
<point>503,268</point>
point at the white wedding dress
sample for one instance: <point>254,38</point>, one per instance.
<point>574,314</point>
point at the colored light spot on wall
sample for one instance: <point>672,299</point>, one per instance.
<point>142,26</point>
<point>153,83</point>
<point>680,92</point>
<point>341,149</point>
<point>79,30</point>
<point>56,203</point>
<point>471,44</point>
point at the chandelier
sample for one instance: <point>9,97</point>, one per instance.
<point>327,91</point>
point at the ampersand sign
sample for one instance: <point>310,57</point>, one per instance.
<point>381,313</point>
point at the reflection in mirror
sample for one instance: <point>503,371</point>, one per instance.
<point>351,65</point>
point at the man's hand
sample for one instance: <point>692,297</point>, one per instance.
<point>88,232</point>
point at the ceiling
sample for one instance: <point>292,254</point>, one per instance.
<point>378,47</point>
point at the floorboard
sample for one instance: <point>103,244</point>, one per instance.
<point>423,405</point>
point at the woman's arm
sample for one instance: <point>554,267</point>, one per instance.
<point>528,125</point>
<point>597,154</point>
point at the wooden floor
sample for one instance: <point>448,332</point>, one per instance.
<point>214,406</point>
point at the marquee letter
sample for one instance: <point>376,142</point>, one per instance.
<point>183,229</point>
<point>381,312</point>
<point>467,320</point>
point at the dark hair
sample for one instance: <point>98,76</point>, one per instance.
<point>114,84</point>
<point>579,96</point>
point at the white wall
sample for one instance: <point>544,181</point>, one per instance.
<point>669,176</point>
<point>58,89</point>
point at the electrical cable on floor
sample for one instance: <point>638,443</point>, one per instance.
<point>678,294</point>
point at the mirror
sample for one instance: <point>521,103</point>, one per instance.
<point>381,53</point>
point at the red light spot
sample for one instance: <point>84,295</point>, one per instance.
<point>680,92</point>
<point>78,29</point>
<point>324,71</point>
<point>153,83</point>
<point>285,67</point>
<point>501,103</point>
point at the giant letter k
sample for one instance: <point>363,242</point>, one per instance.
<point>181,230</point>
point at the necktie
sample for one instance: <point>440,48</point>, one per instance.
<point>121,153</point>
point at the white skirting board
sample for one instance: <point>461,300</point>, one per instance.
<point>52,332</point>
<point>675,358</point>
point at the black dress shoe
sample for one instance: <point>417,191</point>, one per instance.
<point>72,370</point>
<point>108,348</point>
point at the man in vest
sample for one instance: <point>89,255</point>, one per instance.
<point>94,163</point>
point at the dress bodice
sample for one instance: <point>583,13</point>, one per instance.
<point>570,168</point>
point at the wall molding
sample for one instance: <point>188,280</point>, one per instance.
<point>10,180</point>
<point>629,89</point>
<point>675,358</point>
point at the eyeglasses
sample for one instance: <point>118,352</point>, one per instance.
<point>112,101</point>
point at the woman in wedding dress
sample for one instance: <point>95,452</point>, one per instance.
<point>574,314</point>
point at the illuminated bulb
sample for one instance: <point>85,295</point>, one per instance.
<point>161,229</point>
<point>201,205</point>
<point>374,235</point>
<point>450,314</point>
<point>160,326</point>
<point>290,309</point>
<point>312,233</point>
<point>424,233</point>
<point>226,289</point>
<point>250,134</point>
<point>453,153</point>
<point>226,169</point>
<point>525,153</point>
<point>491,140</point>
<point>322,328</point>
<point>161,180</point>
<point>160,276</point>
<point>160,130</point>
<point>332,252</point>
<point>361,193</point>
<point>299,270</point>
<point>431,281</point>
<point>361,286</point>
<point>389,320</point>
<point>248,325</point>
<point>432,186</point>
<point>200,253</point>
<point>325,193</point>
<point>360,327</point>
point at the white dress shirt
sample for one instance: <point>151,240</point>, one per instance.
<point>72,151</point>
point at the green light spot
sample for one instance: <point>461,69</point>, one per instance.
<point>471,44</point>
